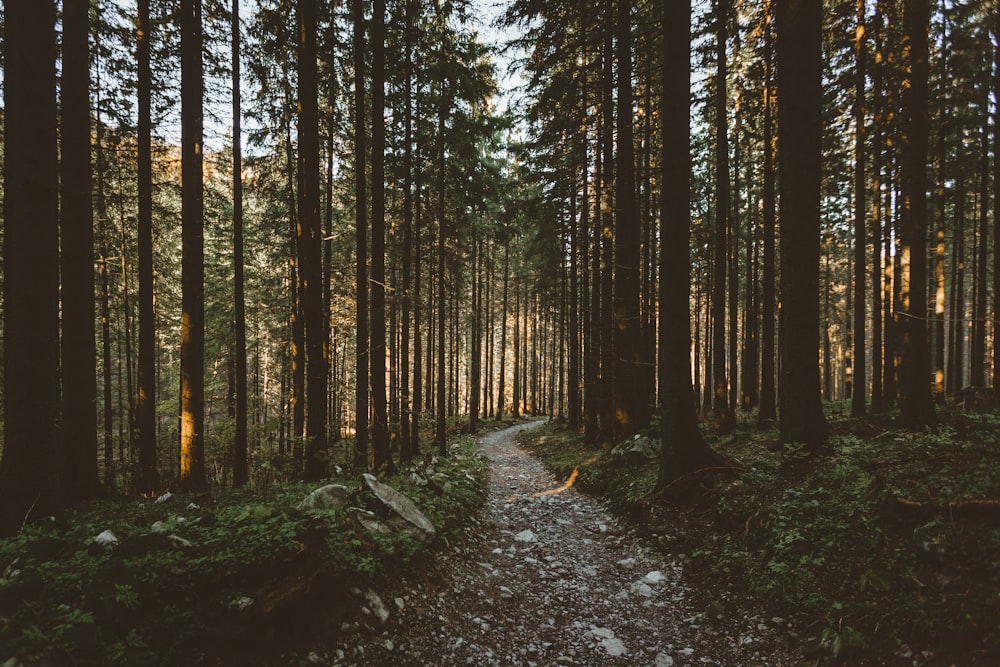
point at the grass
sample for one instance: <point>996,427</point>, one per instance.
<point>219,578</point>
<point>863,546</point>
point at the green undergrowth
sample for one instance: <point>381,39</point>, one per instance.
<point>233,578</point>
<point>880,549</point>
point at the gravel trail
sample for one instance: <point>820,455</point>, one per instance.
<point>548,576</point>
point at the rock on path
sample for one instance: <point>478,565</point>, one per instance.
<point>552,580</point>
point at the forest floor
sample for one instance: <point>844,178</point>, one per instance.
<point>546,575</point>
<point>882,549</point>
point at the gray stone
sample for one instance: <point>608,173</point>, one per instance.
<point>367,521</point>
<point>636,450</point>
<point>404,515</point>
<point>664,660</point>
<point>329,497</point>
<point>526,536</point>
<point>106,537</point>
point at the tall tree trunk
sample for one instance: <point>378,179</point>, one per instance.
<point>977,366</point>
<point>800,127</point>
<point>311,245</point>
<point>361,400</point>
<point>382,458</point>
<point>79,343</point>
<point>502,389</point>
<point>631,405</point>
<point>441,436</point>
<point>857,371</point>
<point>878,400</point>
<point>417,243</point>
<point>475,356</point>
<point>574,397</point>
<point>684,447</point>
<point>405,452</point>
<point>768,408</point>
<point>996,209</point>
<point>956,351</point>
<point>148,477</point>
<point>296,316</point>
<point>192,261</point>
<point>105,305</point>
<point>29,469</point>
<point>607,236</point>
<point>721,409</point>
<point>918,405</point>
<point>240,472</point>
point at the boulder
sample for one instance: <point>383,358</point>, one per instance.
<point>367,521</point>
<point>329,497</point>
<point>636,450</point>
<point>403,514</point>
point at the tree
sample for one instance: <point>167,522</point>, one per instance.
<point>240,472</point>
<point>310,237</point>
<point>147,478</point>
<point>361,399</point>
<point>630,400</point>
<point>382,458</point>
<point>723,412</point>
<point>29,470</point>
<point>684,447</point>
<point>192,253</point>
<point>79,343</point>
<point>768,407</point>
<point>918,405</point>
<point>799,66</point>
<point>857,359</point>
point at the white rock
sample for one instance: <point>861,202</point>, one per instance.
<point>165,498</point>
<point>158,527</point>
<point>654,577</point>
<point>526,536</point>
<point>626,563</point>
<point>241,602</point>
<point>641,588</point>
<point>375,602</point>
<point>106,537</point>
<point>664,660</point>
<point>194,506</point>
<point>329,497</point>
<point>614,647</point>
<point>180,541</point>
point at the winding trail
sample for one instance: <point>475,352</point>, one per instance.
<point>547,576</point>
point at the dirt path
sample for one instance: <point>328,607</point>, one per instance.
<point>550,577</point>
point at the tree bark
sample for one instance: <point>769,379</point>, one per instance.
<point>79,342</point>
<point>918,405</point>
<point>684,447</point>
<point>240,472</point>
<point>857,359</point>
<point>29,469</point>
<point>721,410</point>
<point>311,245</point>
<point>768,408</point>
<point>192,262</point>
<point>800,98</point>
<point>361,399</point>
<point>631,407</point>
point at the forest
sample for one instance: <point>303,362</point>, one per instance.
<point>294,241</point>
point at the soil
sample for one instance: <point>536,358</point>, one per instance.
<point>548,576</point>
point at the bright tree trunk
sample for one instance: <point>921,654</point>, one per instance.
<point>192,261</point>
